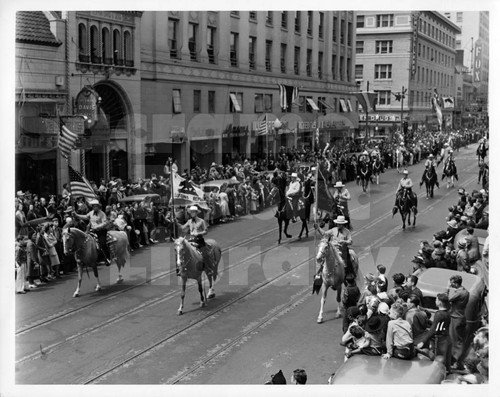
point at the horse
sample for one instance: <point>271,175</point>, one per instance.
<point>333,272</point>
<point>450,172</point>
<point>406,206</point>
<point>481,152</point>
<point>284,212</point>
<point>84,247</point>
<point>191,266</point>
<point>430,179</point>
<point>377,168</point>
<point>364,174</point>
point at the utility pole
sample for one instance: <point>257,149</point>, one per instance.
<point>366,114</point>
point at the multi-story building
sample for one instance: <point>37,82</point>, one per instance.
<point>139,87</point>
<point>409,53</point>
<point>473,45</point>
<point>209,79</point>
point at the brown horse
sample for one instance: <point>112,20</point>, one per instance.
<point>84,248</point>
<point>333,272</point>
<point>284,213</point>
<point>190,263</point>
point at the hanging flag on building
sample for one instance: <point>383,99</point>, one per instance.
<point>436,107</point>
<point>79,185</point>
<point>67,140</point>
<point>288,95</point>
<point>187,193</point>
<point>367,100</point>
<point>263,127</point>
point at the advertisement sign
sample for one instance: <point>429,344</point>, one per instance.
<point>477,62</point>
<point>86,104</point>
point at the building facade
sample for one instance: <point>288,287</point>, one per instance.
<point>403,56</point>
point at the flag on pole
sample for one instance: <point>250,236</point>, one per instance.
<point>263,127</point>
<point>288,95</point>
<point>79,185</point>
<point>187,193</point>
<point>367,100</point>
<point>436,107</point>
<point>67,141</point>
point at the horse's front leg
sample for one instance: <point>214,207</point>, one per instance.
<point>279,230</point>
<point>211,292</point>
<point>96,275</point>
<point>180,310</point>
<point>339,306</point>
<point>202,296</point>
<point>80,273</point>
<point>403,217</point>
<point>324,291</point>
<point>287,222</point>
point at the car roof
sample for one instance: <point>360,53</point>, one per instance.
<point>435,280</point>
<point>363,369</point>
<point>220,182</point>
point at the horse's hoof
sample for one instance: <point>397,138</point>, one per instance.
<point>179,312</point>
<point>211,295</point>
<point>76,295</point>
<point>203,304</point>
<point>98,288</point>
<point>319,320</point>
<point>119,280</point>
<point>338,315</point>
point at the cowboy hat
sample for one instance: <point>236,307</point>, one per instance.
<point>94,202</point>
<point>340,220</point>
<point>193,208</point>
<point>383,308</point>
<point>339,184</point>
<point>431,156</point>
<point>453,223</point>
<point>294,175</point>
<point>213,165</point>
<point>405,172</point>
<point>417,259</point>
<point>374,324</point>
<point>20,193</point>
<point>365,152</point>
<point>462,243</point>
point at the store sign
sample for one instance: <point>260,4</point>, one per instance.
<point>323,124</point>
<point>381,117</point>
<point>87,105</point>
<point>45,142</point>
<point>477,62</point>
<point>235,131</point>
<point>416,17</point>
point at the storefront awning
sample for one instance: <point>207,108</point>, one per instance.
<point>312,104</point>
<point>235,102</point>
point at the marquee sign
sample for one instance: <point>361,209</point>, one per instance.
<point>380,117</point>
<point>477,62</point>
<point>416,17</point>
<point>86,104</point>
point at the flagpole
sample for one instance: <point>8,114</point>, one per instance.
<point>267,143</point>
<point>174,219</point>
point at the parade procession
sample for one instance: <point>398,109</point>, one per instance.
<point>280,211</point>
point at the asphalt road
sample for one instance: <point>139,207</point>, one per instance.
<point>262,319</point>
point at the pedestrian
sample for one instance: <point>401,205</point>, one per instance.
<point>411,287</point>
<point>350,296</point>
<point>381,273</point>
<point>398,280</point>
<point>399,339</point>
<point>21,264</point>
<point>458,297</point>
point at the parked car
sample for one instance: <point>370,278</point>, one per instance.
<point>363,369</point>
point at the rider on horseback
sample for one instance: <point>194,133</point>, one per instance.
<point>343,236</point>
<point>197,228</point>
<point>98,224</point>
<point>293,193</point>
<point>405,184</point>
<point>341,196</point>
<point>431,164</point>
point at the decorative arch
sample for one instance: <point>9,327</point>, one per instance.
<point>116,105</point>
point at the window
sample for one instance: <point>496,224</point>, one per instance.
<point>309,23</point>
<point>196,101</point>
<point>192,31</point>
<point>106,47</point>
<point>211,44</point>
<point>283,58</point>
<point>83,48</point>
<point>383,46</point>
<point>176,101</point>
<point>459,43</point>
<point>385,20</point>
<point>419,49</point>
<point>334,29</point>
<point>284,19</point>
<point>310,105</point>
<point>341,68</point>
<point>360,21</point>
<point>94,45</point>
<point>349,69</point>
<point>334,67</point>
<point>383,72</point>
<point>460,17</point>
<point>258,103</point>
<point>334,105</point>
<point>251,52</point>
<point>302,104</point>
<point>172,37</point>
<point>343,106</point>
<point>236,103</point>
<point>269,48</point>
<point>211,101</point>
<point>253,15</point>
<point>128,53</point>
<point>235,14</point>
<point>321,104</point>
<point>383,97</point>
<point>296,60</point>
<point>320,65</point>
<point>358,72</point>
<point>233,49</point>
<point>349,34</point>
<point>321,25</point>
<point>268,103</point>
<point>360,47</point>
<point>297,21</point>
<point>309,63</point>
<point>117,48</point>
<point>342,31</point>
<point>269,17</point>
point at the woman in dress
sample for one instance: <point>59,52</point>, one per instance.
<point>224,203</point>
<point>50,245</point>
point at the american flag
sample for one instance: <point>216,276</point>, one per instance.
<point>263,128</point>
<point>288,95</point>
<point>79,185</point>
<point>67,141</point>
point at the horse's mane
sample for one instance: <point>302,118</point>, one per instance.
<point>182,241</point>
<point>70,229</point>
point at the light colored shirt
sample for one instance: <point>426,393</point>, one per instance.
<point>293,188</point>
<point>341,235</point>
<point>342,196</point>
<point>398,334</point>
<point>196,227</point>
<point>405,183</point>
<point>97,219</point>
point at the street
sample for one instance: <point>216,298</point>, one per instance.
<point>262,319</point>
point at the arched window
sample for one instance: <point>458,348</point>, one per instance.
<point>106,47</point>
<point>117,48</point>
<point>94,43</point>
<point>83,48</point>
<point>127,47</point>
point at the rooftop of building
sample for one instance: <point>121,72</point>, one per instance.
<point>33,27</point>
